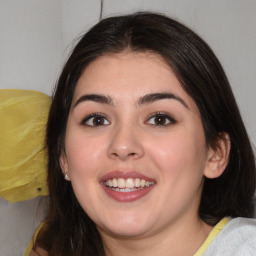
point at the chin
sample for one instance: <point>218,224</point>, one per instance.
<point>126,227</point>
<point>125,231</point>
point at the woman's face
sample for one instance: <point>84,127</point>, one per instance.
<point>135,146</point>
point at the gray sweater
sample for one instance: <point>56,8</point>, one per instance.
<point>237,238</point>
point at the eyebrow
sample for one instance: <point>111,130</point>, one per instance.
<point>146,99</point>
<point>152,97</point>
<point>96,98</point>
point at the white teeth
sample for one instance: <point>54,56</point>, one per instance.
<point>137,183</point>
<point>114,183</point>
<point>127,185</point>
<point>130,183</point>
<point>124,189</point>
<point>110,183</point>
<point>121,183</point>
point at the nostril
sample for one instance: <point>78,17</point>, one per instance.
<point>123,155</point>
<point>114,154</point>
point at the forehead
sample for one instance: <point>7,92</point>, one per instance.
<point>129,75</point>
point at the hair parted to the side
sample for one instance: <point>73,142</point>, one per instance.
<point>68,230</point>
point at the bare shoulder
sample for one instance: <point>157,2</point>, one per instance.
<point>38,252</point>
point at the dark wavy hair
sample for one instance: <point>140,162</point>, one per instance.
<point>67,229</point>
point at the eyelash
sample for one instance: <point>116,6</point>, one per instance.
<point>89,120</point>
<point>92,117</point>
<point>164,116</point>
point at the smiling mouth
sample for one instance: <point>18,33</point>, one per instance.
<point>127,185</point>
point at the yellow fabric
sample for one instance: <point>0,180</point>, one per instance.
<point>215,231</point>
<point>32,241</point>
<point>23,160</point>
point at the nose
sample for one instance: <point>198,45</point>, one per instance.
<point>125,144</point>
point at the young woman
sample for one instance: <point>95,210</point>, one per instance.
<point>148,154</point>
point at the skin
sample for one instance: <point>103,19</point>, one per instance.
<point>173,153</point>
<point>38,252</point>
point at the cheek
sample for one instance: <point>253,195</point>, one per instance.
<point>85,157</point>
<point>83,153</point>
<point>181,153</point>
<point>180,160</point>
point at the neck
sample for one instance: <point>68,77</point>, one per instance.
<point>180,239</point>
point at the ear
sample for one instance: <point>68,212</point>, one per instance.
<point>218,157</point>
<point>64,165</point>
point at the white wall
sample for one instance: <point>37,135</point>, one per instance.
<point>30,50</point>
<point>77,17</point>
<point>36,36</point>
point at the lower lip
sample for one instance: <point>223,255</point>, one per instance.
<point>127,196</point>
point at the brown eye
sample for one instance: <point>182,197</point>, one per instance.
<point>95,120</point>
<point>161,120</point>
<point>98,121</point>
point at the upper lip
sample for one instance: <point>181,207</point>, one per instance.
<point>125,175</point>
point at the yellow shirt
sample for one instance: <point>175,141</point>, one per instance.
<point>32,241</point>
<point>215,231</point>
